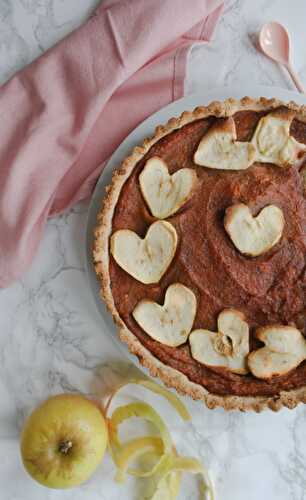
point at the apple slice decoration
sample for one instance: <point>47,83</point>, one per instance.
<point>227,348</point>
<point>171,323</point>
<point>272,140</point>
<point>165,194</point>
<point>284,350</point>
<point>63,441</point>
<point>219,149</point>
<point>145,259</point>
<point>254,235</point>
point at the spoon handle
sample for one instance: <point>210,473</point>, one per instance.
<point>296,79</point>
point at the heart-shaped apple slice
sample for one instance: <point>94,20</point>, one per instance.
<point>165,194</point>
<point>145,259</point>
<point>171,323</point>
<point>272,139</point>
<point>284,350</point>
<point>254,235</point>
<point>228,348</point>
<point>219,149</point>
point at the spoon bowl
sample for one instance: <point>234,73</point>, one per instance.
<point>274,42</point>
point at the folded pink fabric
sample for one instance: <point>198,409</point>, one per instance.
<point>63,115</point>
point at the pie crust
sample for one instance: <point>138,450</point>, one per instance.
<point>170,376</point>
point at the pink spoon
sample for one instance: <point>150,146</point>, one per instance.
<point>274,43</point>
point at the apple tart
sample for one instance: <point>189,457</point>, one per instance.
<point>200,249</point>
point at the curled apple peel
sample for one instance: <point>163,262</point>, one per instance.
<point>175,402</point>
<point>186,464</point>
<point>145,411</point>
<point>168,466</point>
<point>134,449</point>
<point>123,454</point>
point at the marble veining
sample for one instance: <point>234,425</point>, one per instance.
<point>51,338</point>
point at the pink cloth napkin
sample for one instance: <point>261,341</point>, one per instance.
<point>63,115</point>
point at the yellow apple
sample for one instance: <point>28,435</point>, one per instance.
<point>63,441</point>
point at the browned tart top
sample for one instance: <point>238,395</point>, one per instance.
<point>267,289</point>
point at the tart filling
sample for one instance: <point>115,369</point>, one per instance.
<point>265,286</point>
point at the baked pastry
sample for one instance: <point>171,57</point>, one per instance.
<point>200,249</point>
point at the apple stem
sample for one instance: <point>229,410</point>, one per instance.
<point>65,447</point>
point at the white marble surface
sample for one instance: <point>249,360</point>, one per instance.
<point>51,339</point>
